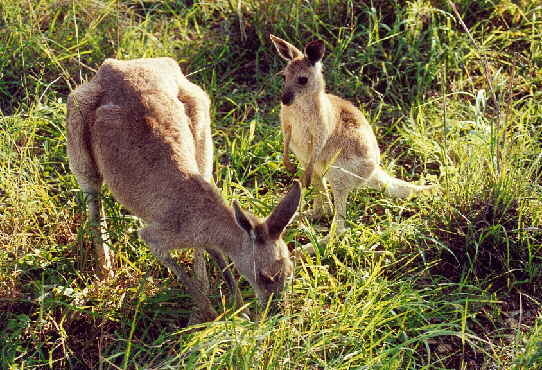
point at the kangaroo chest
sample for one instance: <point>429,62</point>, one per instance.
<point>301,140</point>
<point>308,127</point>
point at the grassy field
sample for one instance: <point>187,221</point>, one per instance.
<point>451,280</point>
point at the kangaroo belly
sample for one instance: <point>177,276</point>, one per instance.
<point>300,151</point>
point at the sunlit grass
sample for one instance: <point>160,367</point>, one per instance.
<point>450,280</point>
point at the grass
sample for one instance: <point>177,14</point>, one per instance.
<point>444,281</point>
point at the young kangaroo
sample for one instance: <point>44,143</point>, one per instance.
<point>329,135</point>
<point>143,129</point>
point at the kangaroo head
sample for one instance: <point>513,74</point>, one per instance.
<point>264,259</point>
<point>303,74</point>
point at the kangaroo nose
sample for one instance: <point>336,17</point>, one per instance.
<point>287,98</point>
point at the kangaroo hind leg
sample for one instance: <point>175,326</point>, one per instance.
<point>82,104</point>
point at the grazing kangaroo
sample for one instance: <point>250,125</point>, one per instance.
<point>329,135</point>
<point>143,129</point>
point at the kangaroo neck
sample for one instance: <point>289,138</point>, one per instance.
<point>225,234</point>
<point>312,102</point>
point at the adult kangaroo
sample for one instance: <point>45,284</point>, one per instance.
<point>143,129</point>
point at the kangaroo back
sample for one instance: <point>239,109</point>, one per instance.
<point>142,141</point>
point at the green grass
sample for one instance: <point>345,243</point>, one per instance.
<point>450,280</point>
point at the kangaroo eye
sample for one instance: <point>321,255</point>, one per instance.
<point>302,80</point>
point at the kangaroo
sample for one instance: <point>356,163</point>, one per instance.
<point>143,128</point>
<point>329,135</point>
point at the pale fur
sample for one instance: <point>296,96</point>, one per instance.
<point>330,137</point>
<point>143,129</point>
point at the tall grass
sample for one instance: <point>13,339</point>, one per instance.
<point>450,280</point>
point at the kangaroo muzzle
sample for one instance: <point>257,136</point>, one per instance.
<point>287,98</point>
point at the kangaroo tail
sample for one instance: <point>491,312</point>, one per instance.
<point>393,186</point>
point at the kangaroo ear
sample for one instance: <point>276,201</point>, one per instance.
<point>242,219</point>
<point>285,49</point>
<point>315,51</point>
<point>284,212</point>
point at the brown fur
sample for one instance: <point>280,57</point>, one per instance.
<point>329,135</point>
<point>143,129</point>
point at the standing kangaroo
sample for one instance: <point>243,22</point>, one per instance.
<point>143,129</point>
<point>329,135</point>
